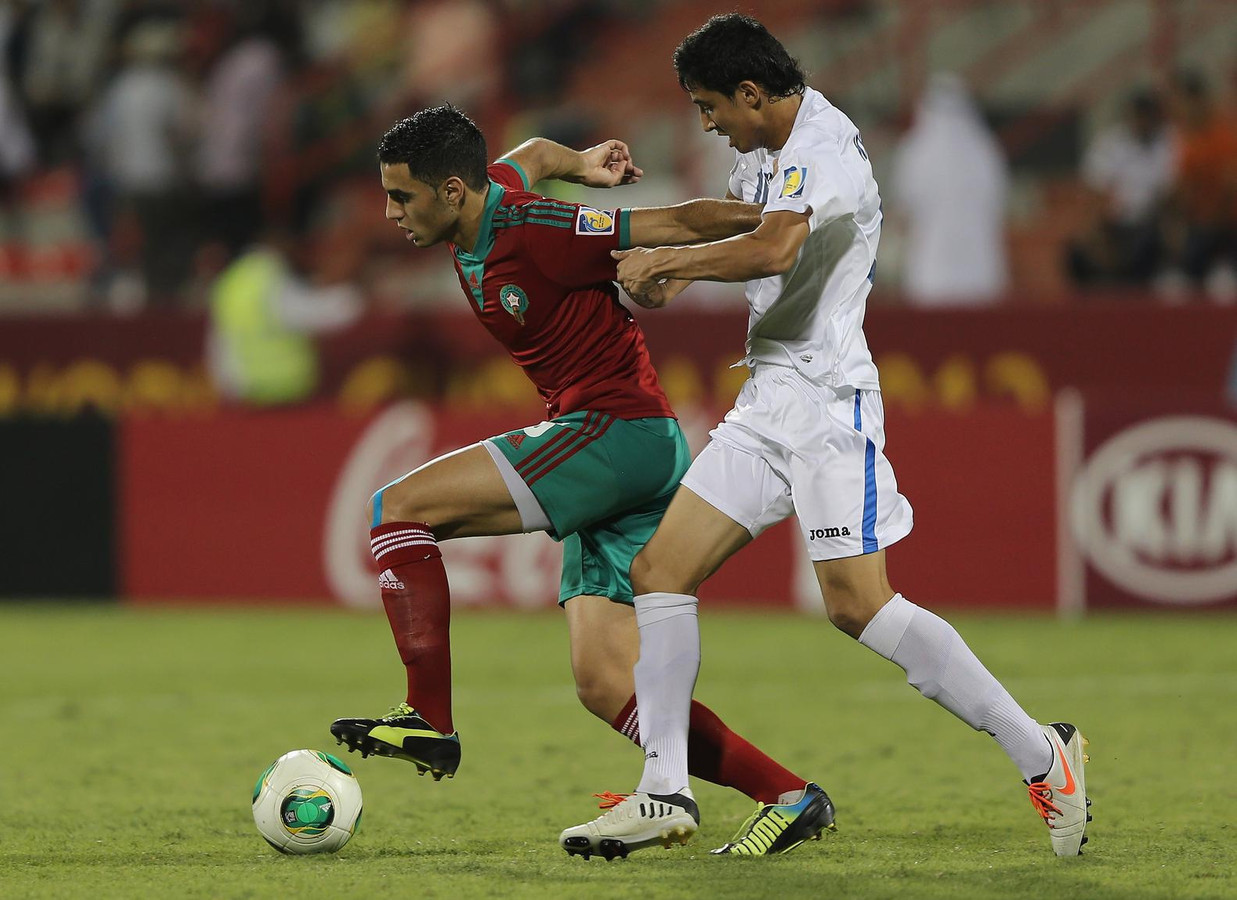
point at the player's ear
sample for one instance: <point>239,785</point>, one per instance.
<point>453,192</point>
<point>748,94</point>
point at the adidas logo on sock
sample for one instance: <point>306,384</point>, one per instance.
<point>388,581</point>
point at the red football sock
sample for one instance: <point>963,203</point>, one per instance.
<point>717,754</point>
<point>418,604</point>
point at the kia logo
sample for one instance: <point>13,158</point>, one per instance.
<point>1155,510</point>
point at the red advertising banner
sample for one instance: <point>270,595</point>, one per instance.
<point>952,359</point>
<point>1150,500</point>
<point>271,506</point>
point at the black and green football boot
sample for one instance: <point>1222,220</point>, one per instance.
<point>402,734</point>
<point>783,826</point>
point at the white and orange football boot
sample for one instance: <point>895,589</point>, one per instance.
<point>1060,796</point>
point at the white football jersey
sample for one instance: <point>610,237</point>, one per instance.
<point>812,316</point>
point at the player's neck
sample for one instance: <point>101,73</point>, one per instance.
<point>781,121</point>
<point>468,225</point>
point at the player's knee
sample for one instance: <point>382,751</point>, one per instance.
<point>848,618</point>
<point>401,502</point>
<point>649,573</point>
<point>597,694</point>
<point>851,608</point>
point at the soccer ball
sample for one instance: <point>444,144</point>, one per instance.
<point>307,801</point>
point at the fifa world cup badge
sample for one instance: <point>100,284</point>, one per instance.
<point>514,301</point>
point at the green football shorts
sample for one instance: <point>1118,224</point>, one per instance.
<point>604,484</point>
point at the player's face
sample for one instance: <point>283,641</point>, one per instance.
<point>730,117</point>
<point>416,207</point>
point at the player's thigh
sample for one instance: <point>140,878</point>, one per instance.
<point>728,496</point>
<point>605,645</point>
<point>588,467</point>
<point>692,541</point>
<point>461,494</point>
<point>854,588</point>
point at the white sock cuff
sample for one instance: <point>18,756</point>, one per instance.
<point>885,631</point>
<point>660,606</point>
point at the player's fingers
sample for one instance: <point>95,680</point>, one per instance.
<point>620,254</point>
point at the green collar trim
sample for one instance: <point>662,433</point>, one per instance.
<point>473,264</point>
<point>485,236</point>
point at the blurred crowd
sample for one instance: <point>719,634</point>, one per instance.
<point>1162,185</point>
<point>147,145</point>
<point>182,132</point>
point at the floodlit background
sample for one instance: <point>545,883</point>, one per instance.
<point>1055,321</point>
<point>1058,271</point>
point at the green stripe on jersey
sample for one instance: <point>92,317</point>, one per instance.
<point>557,223</point>
<point>541,210</point>
<point>550,201</point>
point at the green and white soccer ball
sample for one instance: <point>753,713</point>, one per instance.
<point>307,801</point>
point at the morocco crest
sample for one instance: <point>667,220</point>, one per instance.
<point>514,301</point>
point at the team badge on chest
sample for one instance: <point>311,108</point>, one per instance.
<point>514,301</point>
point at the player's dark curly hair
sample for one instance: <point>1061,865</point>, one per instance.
<point>732,48</point>
<point>435,144</point>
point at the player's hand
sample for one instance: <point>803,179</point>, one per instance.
<point>637,274</point>
<point>650,294</point>
<point>607,165</point>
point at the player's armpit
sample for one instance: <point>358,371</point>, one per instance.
<point>692,222</point>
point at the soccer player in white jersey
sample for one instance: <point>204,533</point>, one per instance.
<point>805,437</point>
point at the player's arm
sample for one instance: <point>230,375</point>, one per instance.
<point>649,227</point>
<point>606,165</point>
<point>692,222</point>
<point>771,249</point>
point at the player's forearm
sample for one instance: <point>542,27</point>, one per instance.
<point>712,220</point>
<point>692,222</point>
<point>541,158</point>
<point>742,258</point>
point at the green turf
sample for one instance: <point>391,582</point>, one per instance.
<point>131,741</point>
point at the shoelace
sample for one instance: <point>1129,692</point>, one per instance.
<point>1041,799</point>
<point>396,712</point>
<point>609,799</point>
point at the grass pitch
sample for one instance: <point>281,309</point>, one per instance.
<point>131,740</point>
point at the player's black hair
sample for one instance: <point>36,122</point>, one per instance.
<point>435,144</point>
<point>732,48</point>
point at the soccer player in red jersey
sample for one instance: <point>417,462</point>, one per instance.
<point>596,475</point>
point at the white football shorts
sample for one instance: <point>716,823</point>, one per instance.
<point>793,446</point>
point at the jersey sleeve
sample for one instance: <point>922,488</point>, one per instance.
<point>816,179</point>
<point>571,243</point>
<point>508,173</point>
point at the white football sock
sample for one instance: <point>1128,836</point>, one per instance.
<point>942,667</point>
<point>665,678</point>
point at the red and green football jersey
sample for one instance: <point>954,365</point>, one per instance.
<point>541,280</point>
